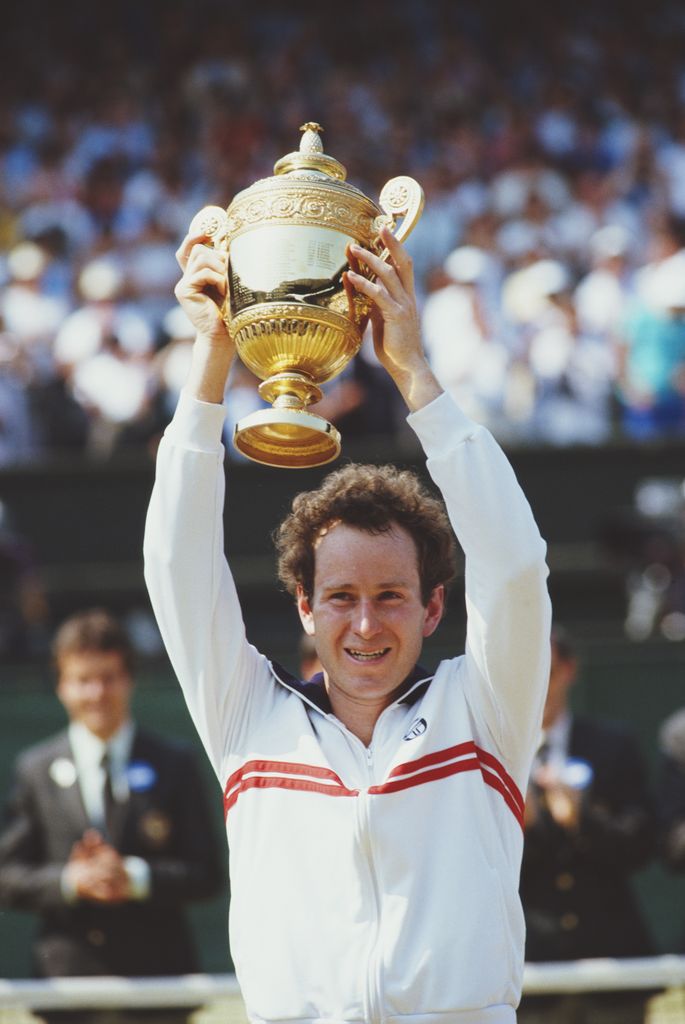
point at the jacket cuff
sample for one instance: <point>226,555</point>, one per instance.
<point>197,425</point>
<point>439,423</point>
<point>67,886</point>
<point>139,877</point>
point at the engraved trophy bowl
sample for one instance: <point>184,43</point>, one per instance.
<point>294,322</point>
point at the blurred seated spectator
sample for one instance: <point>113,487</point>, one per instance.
<point>647,539</point>
<point>570,372</point>
<point>460,336</point>
<point>651,376</point>
<point>308,656</point>
<point>359,401</point>
<point>18,435</point>
<point>524,157</point>
<point>30,314</point>
<point>671,796</point>
<point>24,612</point>
<point>104,349</point>
<point>589,825</point>
<point>601,296</point>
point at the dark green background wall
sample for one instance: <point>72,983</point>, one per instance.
<point>638,684</point>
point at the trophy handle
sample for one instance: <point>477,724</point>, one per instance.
<point>401,197</point>
<point>212,221</point>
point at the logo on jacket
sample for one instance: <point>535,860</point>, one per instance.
<point>417,727</point>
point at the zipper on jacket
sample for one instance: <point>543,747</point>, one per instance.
<point>373,988</point>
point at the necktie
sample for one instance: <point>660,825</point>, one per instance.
<point>108,801</point>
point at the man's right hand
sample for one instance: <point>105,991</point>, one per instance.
<point>203,287</point>
<point>204,282</point>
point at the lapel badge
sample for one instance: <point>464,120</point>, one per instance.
<point>63,772</point>
<point>155,827</point>
<point>141,776</point>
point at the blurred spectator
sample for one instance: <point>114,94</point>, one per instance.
<point>671,794</point>
<point>104,350</point>
<point>309,658</point>
<point>648,541</point>
<point>23,605</point>
<point>602,294</point>
<point>107,833</point>
<point>30,315</point>
<point>568,154</point>
<point>460,334</point>
<point>589,825</point>
<point>569,371</point>
<point>652,372</point>
<point>18,433</point>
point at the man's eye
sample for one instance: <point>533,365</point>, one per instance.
<point>390,595</point>
<point>341,595</point>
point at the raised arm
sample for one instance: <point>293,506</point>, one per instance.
<point>191,588</point>
<point>507,648</point>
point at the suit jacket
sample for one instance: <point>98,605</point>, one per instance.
<point>166,821</point>
<point>575,886</point>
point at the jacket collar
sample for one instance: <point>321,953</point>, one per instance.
<point>314,692</point>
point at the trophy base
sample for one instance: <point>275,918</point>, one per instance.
<point>287,438</point>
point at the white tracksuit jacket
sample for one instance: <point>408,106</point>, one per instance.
<point>373,884</point>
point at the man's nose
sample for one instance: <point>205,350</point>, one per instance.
<point>95,688</point>
<point>367,623</point>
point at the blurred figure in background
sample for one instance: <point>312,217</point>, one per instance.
<point>589,825</point>
<point>671,795</point>
<point>652,356</point>
<point>24,611</point>
<point>309,659</point>
<point>461,334</point>
<point>107,833</point>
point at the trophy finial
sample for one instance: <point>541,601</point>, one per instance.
<point>311,156</point>
<point>311,138</point>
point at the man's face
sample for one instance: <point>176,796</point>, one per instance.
<point>366,613</point>
<point>95,689</point>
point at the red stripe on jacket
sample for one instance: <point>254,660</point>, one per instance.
<point>440,764</point>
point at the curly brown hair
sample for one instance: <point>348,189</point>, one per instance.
<point>371,498</point>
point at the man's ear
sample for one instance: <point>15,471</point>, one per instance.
<point>305,611</point>
<point>435,610</point>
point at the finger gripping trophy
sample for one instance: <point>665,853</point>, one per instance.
<point>295,320</point>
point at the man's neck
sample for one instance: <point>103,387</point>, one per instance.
<point>359,720</point>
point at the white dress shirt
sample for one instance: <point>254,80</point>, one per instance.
<point>88,751</point>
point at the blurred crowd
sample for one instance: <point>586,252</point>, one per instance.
<point>550,258</point>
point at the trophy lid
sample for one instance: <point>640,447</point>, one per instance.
<point>311,156</point>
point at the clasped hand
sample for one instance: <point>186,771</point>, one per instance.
<point>97,871</point>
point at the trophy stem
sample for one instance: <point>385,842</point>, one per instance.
<point>293,390</point>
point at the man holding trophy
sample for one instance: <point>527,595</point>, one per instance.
<point>374,814</point>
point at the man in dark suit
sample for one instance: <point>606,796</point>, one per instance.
<point>671,797</point>
<point>589,826</point>
<point>108,832</point>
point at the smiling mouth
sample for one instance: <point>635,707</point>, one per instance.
<point>367,655</point>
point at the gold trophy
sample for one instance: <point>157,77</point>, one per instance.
<point>294,323</point>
